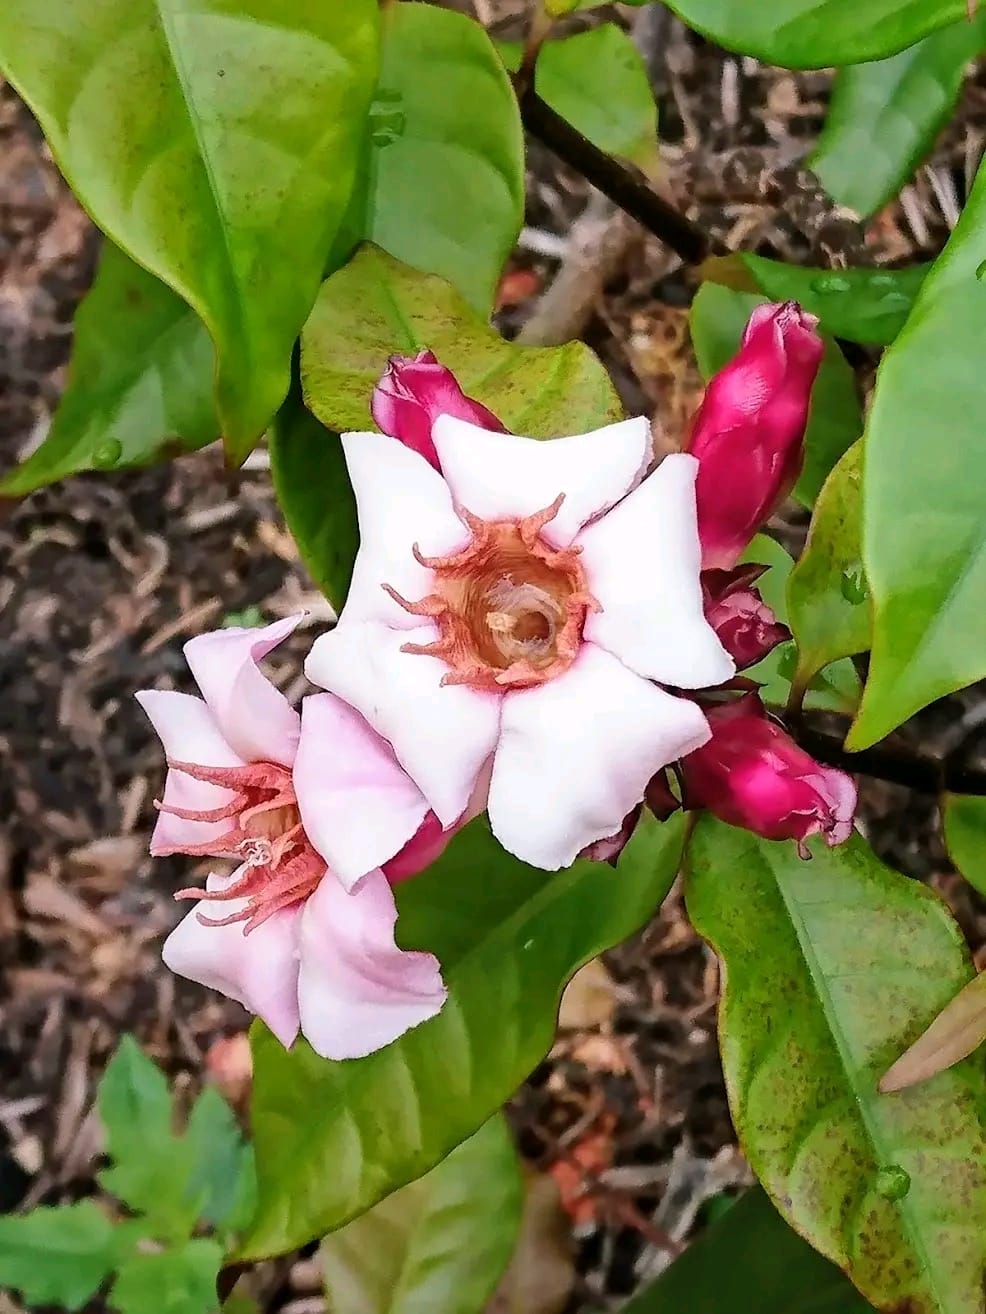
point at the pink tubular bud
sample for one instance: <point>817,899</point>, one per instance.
<point>744,624</point>
<point>752,774</point>
<point>749,431</point>
<point>413,392</point>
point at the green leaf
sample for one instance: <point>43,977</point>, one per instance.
<point>924,533</point>
<point>598,81</point>
<point>860,305</point>
<point>179,1281</point>
<point>57,1256</point>
<point>224,1176</point>
<point>836,689</point>
<point>828,601</point>
<point>140,383</point>
<point>771,1270</point>
<point>817,33</point>
<point>718,318</point>
<point>217,145</point>
<point>957,1031</point>
<point>334,1138</point>
<point>964,820</point>
<point>376,306</point>
<point>884,116</point>
<point>438,1245</point>
<point>446,186</point>
<point>832,968</point>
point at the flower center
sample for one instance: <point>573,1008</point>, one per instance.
<point>279,865</point>
<point>509,607</point>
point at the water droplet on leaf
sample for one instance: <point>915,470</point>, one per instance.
<point>107,454</point>
<point>831,283</point>
<point>387,118</point>
<point>892,1182</point>
<point>853,585</point>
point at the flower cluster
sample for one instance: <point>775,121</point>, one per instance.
<point>537,630</point>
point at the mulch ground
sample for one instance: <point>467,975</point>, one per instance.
<point>104,577</point>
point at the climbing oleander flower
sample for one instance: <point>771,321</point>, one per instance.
<point>748,433</point>
<point>746,626</point>
<point>413,392</point>
<point>752,774</point>
<point>314,809</point>
<point>525,605</point>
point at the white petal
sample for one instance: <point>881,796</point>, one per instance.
<point>358,991</point>
<point>259,970</point>
<point>642,561</point>
<point>441,736</point>
<point>358,806</point>
<point>575,755</point>
<point>500,475</point>
<point>402,501</point>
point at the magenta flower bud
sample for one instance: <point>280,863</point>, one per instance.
<point>744,624</point>
<point>749,431</point>
<point>413,392</point>
<point>752,774</point>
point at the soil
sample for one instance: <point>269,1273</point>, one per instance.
<point>104,577</point>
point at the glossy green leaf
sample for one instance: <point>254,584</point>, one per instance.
<point>181,1281</point>
<point>860,305</point>
<point>924,532</point>
<point>438,1245</point>
<point>57,1256</point>
<point>446,186</point>
<point>217,145</point>
<point>817,33</point>
<point>836,689</point>
<point>334,1138</point>
<point>884,116</point>
<point>316,497</point>
<point>140,382</point>
<point>771,1271</point>
<point>598,81</point>
<point>832,968</point>
<point>376,306</point>
<point>718,318</point>
<point>224,1176</point>
<point>828,601</point>
<point>964,819</point>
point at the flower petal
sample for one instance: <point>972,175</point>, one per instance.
<point>499,475</point>
<point>575,756</point>
<point>402,502</point>
<point>254,717</point>
<point>189,733</point>
<point>358,806</point>
<point>357,990</point>
<point>259,970</point>
<point>441,736</point>
<point>642,562</point>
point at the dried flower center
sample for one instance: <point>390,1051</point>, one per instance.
<point>280,866</point>
<point>509,607</point>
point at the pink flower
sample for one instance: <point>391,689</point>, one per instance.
<point>413,392</point>
<point>746,626</point>
<point>749,431</point>
<point>752,774</point>
<point>524,606</point>
<point>311,806</point>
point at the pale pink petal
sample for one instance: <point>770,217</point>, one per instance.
<point>357,990</point>
<point>499,475</point>
<point>358,806</point>
<point>259,970</point>
<point>189,733</point>
<point>402,502</point>
<point>642,562</point>
<point>255,718</point>
<point>575,756</point>
<point>440,735</point>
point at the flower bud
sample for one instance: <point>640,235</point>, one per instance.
<point>413,392</point>
<point>749,431</point>
<point>752,774</point>
<point>744,624</point>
